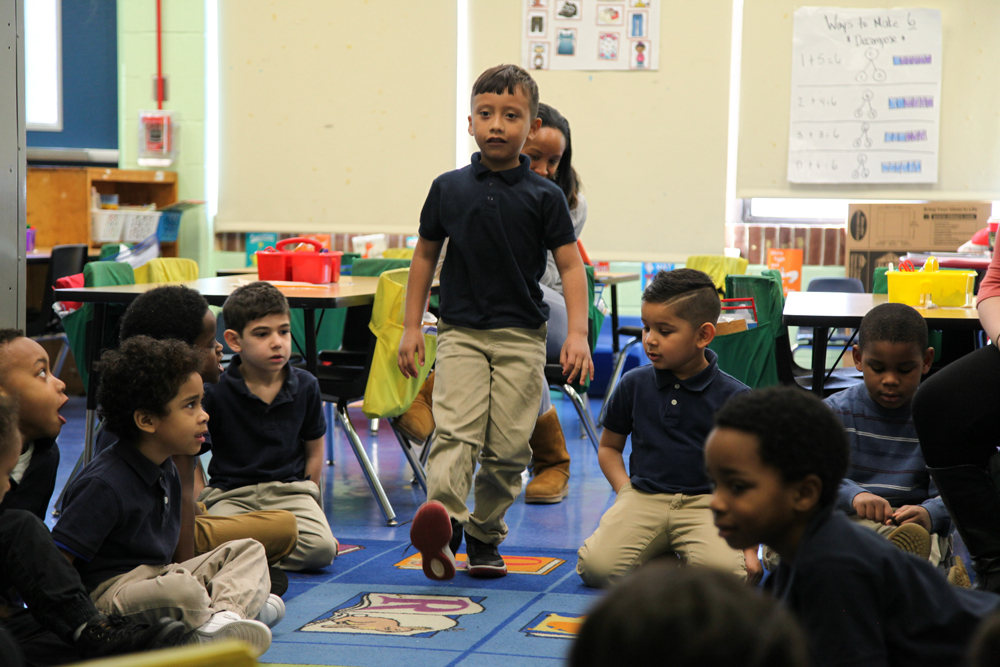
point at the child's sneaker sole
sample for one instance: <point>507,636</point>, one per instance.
<point>958,576</point>
<point>912,538</point>
<point>254,633</point>
<point>431,533</point>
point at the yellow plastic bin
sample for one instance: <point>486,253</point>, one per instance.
<point>947,288</point>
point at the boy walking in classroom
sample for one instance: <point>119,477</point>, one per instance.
<point>776,458</point>
<point>267,426</point>
<point>667,407</point>
<point>126,553</point>
<point>499,218</point>
<point>887,486</point>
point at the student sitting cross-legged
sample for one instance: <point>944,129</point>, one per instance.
<point>267,426</point>
<point>887,486</point>
<point>776,457</point>
<point>667,407</point>
<point>120,522</point>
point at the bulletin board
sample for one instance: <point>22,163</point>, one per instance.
<point>590,35</point>
<point>969,131</point>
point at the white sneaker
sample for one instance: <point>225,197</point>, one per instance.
<point>272,612</point>
<point>229,625</point>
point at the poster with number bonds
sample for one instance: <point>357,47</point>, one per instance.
<point>866,96</point>
<point>591,35</point>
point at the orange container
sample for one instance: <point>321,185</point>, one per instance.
<point>309,266</point>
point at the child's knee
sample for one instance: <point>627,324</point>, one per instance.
<point>595,571</point>
<point>317,551</point>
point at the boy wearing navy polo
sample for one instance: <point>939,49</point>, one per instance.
<point>499,218</point>
<point>668,408</point>
<point>267,426</point>
<point>121,517</point>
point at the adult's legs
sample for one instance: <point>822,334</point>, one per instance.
<point>956,413</point>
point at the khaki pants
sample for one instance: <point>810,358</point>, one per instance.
<point>276,530</point>
<point>231,578</point>
<point>486,399</point>
<point>316,546</point>
<point>641,526</point>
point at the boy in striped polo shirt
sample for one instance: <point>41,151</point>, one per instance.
<point>887,486</point>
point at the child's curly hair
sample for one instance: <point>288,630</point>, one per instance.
<point>143,374</point>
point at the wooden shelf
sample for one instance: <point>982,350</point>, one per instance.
<point>58,199</point>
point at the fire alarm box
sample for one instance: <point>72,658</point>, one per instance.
<point>158,132</point>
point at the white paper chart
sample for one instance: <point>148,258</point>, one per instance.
<point>590,35</point>
<point>866,96</point>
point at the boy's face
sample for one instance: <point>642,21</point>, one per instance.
<point>892,370</point>
<point>183,428</point>
<point>39,393</point>
<point>671,342</point>
<point>751,503</point>
<point>501,123</point>
<point>210,349</point>
<point>266,344</point>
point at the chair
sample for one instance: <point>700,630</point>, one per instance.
<point>717,267</point>
<point>829,284</point>
<point>172,270</point>
<point>42,323</point>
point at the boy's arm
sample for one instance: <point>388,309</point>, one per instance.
<point>185,542</point>
<point>314,459</point>
<point>70,557</point>
<point>575,356</point>
<point>845,495</point>
<point>418,286</point>
<point>609,456</point>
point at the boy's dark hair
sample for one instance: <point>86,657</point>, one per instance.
<point>507,79</point>
<point>797,433</point>
<point>893,323</point>
<point>7,336</point>
<point>252,302</point>
<point>171,312</point>
<point>566,177</point>
<point>9,434</point>
<point>143,374</point>
<point>691,292</point>
<point>687,617</point>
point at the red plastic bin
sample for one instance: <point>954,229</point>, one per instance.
<point>316,266</point>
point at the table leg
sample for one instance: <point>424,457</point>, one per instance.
<point>93,355</point>
<point>614,322</point>
<point>309,324</point>
<point>819,359</point>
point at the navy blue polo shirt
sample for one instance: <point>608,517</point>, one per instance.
<point>862,601</point>
<point>499,225</point>
<point>669,420</point>
<point>122,511</point>
<point>253,442</point>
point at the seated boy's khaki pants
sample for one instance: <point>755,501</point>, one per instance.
<point>233,578</point>
<point>641,526</point>
<point>276,530</point>
<point>487,391</point>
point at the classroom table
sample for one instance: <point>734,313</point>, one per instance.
<point>244,271</point>
<point>613,280</point>
<point>825,310</point>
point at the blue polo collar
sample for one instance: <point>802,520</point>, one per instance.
<point>147,470</point>
<point>512,176</point>
<point>697,382</point>
<point>234,378</point>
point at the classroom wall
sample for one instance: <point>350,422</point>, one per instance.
<point>649,146</point>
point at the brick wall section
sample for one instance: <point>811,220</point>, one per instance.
<point>821,245</point>
<point>236,241</point>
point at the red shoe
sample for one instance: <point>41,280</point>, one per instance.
<point>431,534</point>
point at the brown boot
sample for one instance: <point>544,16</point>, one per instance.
<point>417,423</point>
<point>551,462</point>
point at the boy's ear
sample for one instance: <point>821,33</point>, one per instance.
<point>806,494</point>
<point>536,125</point>
<point>145,421</point>
<point>704,335</point>
<point>471,132</point>
<point>928,360</point>
<point>856,353</point>
<point>232,340</point>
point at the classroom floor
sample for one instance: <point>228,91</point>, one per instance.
<point>374,606</point>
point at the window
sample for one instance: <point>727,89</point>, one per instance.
<point>43,65</point>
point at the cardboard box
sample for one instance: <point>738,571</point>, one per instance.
<point>878,234</point>
<point>730,327</point>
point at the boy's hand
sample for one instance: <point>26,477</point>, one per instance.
<point>872,507</point>
<point>755,571</point>
<point>575,358</point>
<point>411,344</point>
<point>911,514</point>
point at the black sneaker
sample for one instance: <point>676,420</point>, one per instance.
<point>114,635</point>
<point>456,537</point>
<point>484,559</point>
<point>279,581</point>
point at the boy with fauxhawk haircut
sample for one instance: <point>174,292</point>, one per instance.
<point>499,218</point>
<point>776,457</point>
<point>667,408</point>
<point>267,426</point>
